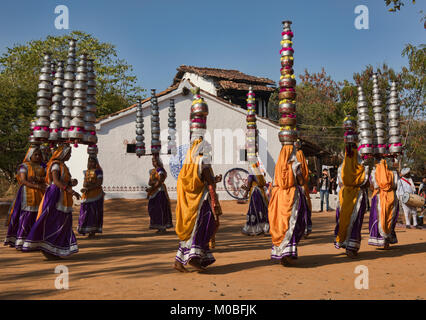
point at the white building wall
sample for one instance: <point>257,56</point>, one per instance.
<point>125,174</point>
<point>199,81</point>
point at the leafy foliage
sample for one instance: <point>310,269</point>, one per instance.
<point>19,71</point>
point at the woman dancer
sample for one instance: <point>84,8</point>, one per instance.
<point>197,208</point>
<point>352,202</point>
<point>257,215</point>
<point>287,207</point>
<point>92,200</point>
<point>52,232</point>
<point>384,206</point>
<point>23,212</point>
<point>159,203</point>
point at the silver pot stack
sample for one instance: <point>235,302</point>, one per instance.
<point>251,127</point>
<point>76,131</point>
<point>90,137</point>
<point>68,92</point>
<point>349,125</point>
<point>395,146</point>
<point>365,147</point>
<point>140,144</point>
<point>44,96</point>
<point>379,120</point>
<point>31,138</point>
<point>171,147</point>
<point>287,94</point>
<point>56,108</point>
<point>155,125</point>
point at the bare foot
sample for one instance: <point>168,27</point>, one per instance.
<point>212,243</point>
<point>195,263</point>
<point>179,267</point>
<point>386,246</point>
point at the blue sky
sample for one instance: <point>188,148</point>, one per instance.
<point>158,36</point>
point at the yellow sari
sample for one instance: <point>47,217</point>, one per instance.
<point>353,177</point>
<point>190,192</point>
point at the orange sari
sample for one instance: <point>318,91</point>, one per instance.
<point>282,204</point>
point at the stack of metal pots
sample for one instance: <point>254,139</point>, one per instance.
<point>56,108</point>
<point>287,94</point>
<point>140,144</point>
<point>395,145</point>
<point>171,147</point>
<point>76,131</point>
<point>365,147</point>
<point>90,137</point>
<point>251,133</point>
<point>349,125</point>
<point>155,125</point>
<point>44,95</point>
<point>198,115</point>
<point>379,120</point>
<point>68,92</point>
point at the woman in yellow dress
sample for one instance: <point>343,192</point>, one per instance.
<point>197,207</point>
<point>92,200</point>
<point>23,212</point>
<point>52,232</point>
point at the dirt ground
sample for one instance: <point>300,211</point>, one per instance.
<point>129,261</point>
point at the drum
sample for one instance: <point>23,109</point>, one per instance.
<point>413,200</point>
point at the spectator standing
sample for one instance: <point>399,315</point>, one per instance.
<point>324,186</point>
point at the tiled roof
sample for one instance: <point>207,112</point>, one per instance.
<point>221,74</point>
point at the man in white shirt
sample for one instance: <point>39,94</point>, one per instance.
<point>406,185</point>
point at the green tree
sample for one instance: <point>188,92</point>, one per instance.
<point>19,70</point>
<point>396,4</point>
<point>413,81</point>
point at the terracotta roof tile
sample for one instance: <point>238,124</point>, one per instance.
<point>221,74</point>
<point>227,85</point>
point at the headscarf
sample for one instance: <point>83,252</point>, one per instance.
<point>98,166</point>
<point>30,153</point>
<point>59,155</point>
<point>405,171</point>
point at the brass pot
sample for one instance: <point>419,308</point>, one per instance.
<point>290,95</point>
<point>287,121</point>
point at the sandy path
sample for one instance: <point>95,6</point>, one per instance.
<point>130,262</point>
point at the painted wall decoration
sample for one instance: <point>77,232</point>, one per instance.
<point>176,161</point>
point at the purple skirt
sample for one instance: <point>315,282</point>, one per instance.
<point>257,215</point>
<point>21,222</point>
<point>376,239</point>
<point>198,245</point>
<point>91,217</point>
<point>354,241</point>
<point>160,212</point>
<point>52,232</point>
<point>297,232</point>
